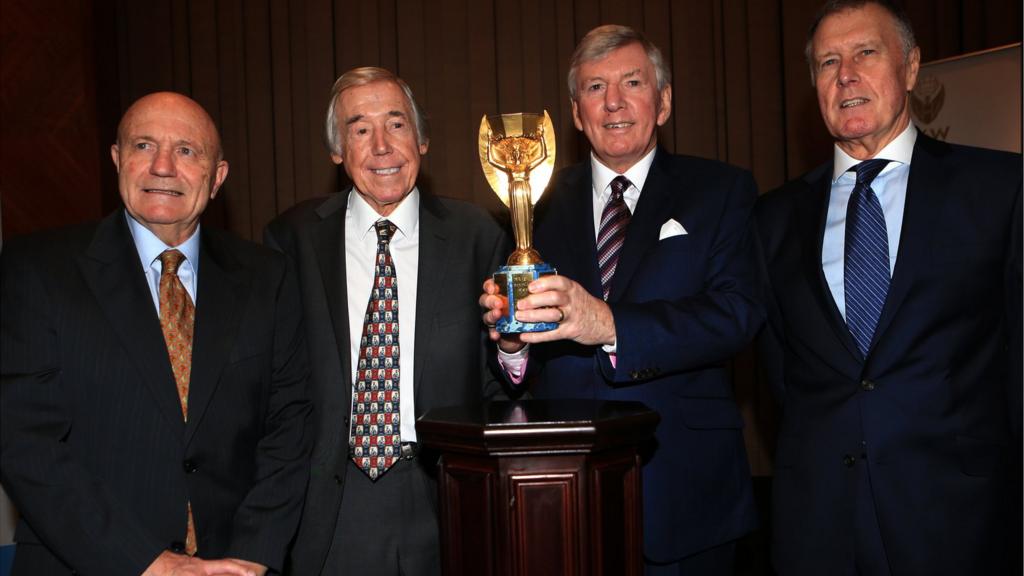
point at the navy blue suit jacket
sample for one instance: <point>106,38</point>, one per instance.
<point>932,413</point>
<point>683,306</point>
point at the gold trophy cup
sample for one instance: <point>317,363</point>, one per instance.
<point>517,154</point>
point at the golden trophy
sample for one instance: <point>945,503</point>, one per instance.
<point>517,154</point>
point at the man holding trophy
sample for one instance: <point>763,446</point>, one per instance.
<point>654,294</point>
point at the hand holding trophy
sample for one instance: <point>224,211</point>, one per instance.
<point>517,154</point>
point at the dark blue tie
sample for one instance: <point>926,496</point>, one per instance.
<point>866,272</point>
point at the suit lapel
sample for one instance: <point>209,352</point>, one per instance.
<point>111,269</point>
<point>328,240</point>
<point>813,215</point>
<point>656,200</point>
<point>434,255</point>
<point>576,231</point>
<point>919,217</point>
<point>222,296</point>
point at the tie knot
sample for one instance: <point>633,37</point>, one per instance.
<point>170,260</point>
<point>385,230</point>
<point>867,170</point>
<point>619,187</point>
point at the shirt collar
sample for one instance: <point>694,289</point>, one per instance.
<point>637,174</point>
<point>405,217</point>
<point>898,152</point>
<point>150,247</point>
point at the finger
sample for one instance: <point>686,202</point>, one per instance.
<point>552,282</point>
<point>490,287</point>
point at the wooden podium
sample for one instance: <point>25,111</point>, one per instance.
<point>540,487</point>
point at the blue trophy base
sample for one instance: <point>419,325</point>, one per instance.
<point>512,282</point>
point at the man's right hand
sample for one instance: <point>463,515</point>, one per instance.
<point>494,306</point>
<point>170,564</point>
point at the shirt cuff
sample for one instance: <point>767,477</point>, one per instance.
<point>514,364</point>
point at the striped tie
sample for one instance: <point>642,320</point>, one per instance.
<point>866,272</point>
<point>612,234</point>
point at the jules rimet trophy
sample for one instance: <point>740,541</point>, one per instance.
<point>517,153</point>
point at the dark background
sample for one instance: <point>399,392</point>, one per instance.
<point>263,69</point>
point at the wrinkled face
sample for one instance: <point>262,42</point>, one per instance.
<point>168,167</point>
<point>619,107</point>
<point>863,78</point>
<point>379,145</point>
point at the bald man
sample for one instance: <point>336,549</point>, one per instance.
<point>154,375</point>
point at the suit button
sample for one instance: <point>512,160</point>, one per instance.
<point>634,375</point>
<point>177,547</point>
<point>867,385</point>
<point>849,461</point>
<point>189,466</point>
<point>337,479</point>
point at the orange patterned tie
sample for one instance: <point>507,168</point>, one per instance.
<point>177,320</point>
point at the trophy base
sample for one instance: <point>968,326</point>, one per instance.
<point>512,282</point>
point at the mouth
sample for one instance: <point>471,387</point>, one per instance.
<point>853,102</point>
<point>163,191</point>
<point>617,125</point>
<point>385,171</point>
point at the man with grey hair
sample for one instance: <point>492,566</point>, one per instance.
<point>893,288</point>
<point>376,366</point>
<point>654,296</point>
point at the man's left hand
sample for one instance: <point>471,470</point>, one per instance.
<point>582,318</point>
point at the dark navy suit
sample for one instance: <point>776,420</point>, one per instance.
<point>683,306</point>
<point>923,432</point>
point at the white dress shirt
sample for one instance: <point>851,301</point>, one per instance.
<point>360,254</point>
<point>149,248</point>
<point>890,186</point>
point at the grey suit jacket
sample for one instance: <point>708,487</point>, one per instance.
<point>93,447</point>
<point>459,246</point>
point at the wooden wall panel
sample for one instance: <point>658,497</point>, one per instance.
<point>51,153</point>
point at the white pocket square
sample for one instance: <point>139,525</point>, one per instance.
<point>670,229</point>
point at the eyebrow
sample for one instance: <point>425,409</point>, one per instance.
<point>179,142</point>
<point>359,117</point>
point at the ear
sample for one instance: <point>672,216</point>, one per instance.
<point>221,175</point>
<point>664,105</point>
<point>576,115</point>
<point>424,146</point>
<point>336,158</point>
<point>115,155</point>
<point>913,67</point>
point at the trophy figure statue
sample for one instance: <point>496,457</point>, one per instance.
<point>517,154</point>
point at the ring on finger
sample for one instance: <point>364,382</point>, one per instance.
<point>561,315</point>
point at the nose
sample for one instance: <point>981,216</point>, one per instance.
<point>163,163</point>
<point>847,74</point>
<point>612,98</point>
<point>381,143</point>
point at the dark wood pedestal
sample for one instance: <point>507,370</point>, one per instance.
<point>540,487</point>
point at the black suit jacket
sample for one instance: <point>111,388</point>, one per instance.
<point>932,413</point>
<point>94,451</point>
<point>459,246</point>
<point>683,306</point>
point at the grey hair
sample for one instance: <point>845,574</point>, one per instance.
<point>903,25</point>
<point>602,40</point>
<point>362,77</point>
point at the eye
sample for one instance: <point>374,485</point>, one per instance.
<point>828,62</point>
<point>397,125</point>
<point>143,145</point>
<point>595,87</point>
<point>186,151</point>
<point>361,131</point>
<point>632,83</point>
<point>867,51</point>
